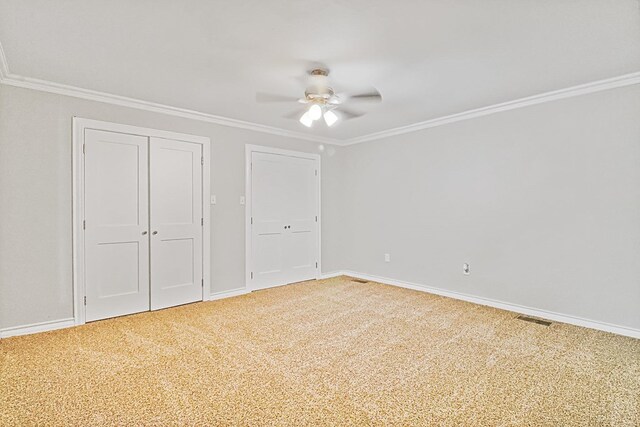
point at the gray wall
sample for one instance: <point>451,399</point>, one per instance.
<point>543,202</point>
<point>35,197</point>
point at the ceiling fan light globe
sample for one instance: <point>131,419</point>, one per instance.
<point>306,120</point>
<point>315,112</point>
<point>330,118</point>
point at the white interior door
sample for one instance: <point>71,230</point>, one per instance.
<point>116,240</point>
<point>176,222</point>
<point>284,227</point>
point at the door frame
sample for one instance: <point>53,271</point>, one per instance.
<point>248,244</point>
<point>79,126</point>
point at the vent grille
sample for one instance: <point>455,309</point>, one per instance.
<point>359,280</point>
<point>534,320</point>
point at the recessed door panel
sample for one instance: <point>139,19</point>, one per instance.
<point>118,273</point>
<point>175,182</point>
<point>180,272</point>
<point>116,221</point>
<point>176,222</point>
<point>269,246</point>
<point>302,250</point>
<point>113,181</point>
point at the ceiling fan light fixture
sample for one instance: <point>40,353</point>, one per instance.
<point>330,118</point>
<point>321,101</point>
<point>315,112</point>
<point>306,119</point>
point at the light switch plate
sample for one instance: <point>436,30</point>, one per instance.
<point>213,199</point>
<point>242,200</point>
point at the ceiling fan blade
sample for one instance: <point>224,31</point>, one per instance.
<point>295,115</point>
<point>337,99</point>
<point>347,114</point>
<point>272,97</point>
<point>371,96</point>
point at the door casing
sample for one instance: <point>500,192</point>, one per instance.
<point>79,126</point>
<point>249,150</point>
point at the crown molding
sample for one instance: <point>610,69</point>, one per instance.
<point>4,66</point>
<point>92,95</point>
<point>583,89</point>
<point>8,78</point>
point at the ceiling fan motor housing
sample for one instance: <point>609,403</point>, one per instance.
<point>319,90</point>
<point>318,94</point>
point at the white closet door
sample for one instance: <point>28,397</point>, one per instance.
<point>116,220</point>
<point>176,222</point>
<point>284,206</point>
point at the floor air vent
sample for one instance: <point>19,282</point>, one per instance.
<point>359,280</point>
<point>534,320</point>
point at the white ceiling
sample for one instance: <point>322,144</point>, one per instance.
<point>428,58</point>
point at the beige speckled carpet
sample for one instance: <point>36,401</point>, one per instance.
<point>333,352</point>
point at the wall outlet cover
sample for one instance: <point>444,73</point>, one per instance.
<point>466,269</point>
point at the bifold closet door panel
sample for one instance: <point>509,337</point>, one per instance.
<point>116,218</point>
<point>176,222</point>
<point>269,219</point>
<point>302,207</point>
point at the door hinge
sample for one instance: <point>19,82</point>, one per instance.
<point>252,274</point>
<point>251,220</point>
<point>202,160</point>
<point>202,282</point>
<point>316,218</point>
<point>202,222</point>
<point>84,224</point>
<point>85,300</point>
<point>316,172</point>
<point>316,264</point>
<point>83,149</point>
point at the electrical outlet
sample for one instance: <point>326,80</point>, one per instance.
<point>466,269</point>
<point>242,200</point>
<point>387,258</point>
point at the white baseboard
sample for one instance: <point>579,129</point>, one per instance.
<point>572,320</point>
<point>557,317</point>
<point>228,294</point>
<point>36,327</point>
<point>65,323</point>
<point>331,274</point>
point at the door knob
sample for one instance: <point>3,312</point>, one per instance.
<point>154,233</point>
<point>144,233</point>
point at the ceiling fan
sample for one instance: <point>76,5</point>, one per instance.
<point>320,100</point>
